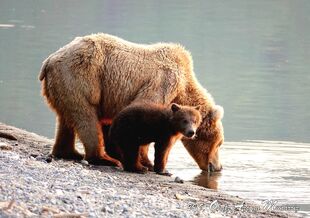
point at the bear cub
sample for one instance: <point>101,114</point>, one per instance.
<point>143,123</point>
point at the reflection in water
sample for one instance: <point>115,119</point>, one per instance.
<point>208,179</point>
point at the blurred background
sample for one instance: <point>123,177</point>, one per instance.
<point>252,56</point>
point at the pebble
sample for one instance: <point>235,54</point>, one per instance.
<point>84,162</point>
<point>5,146</point>
<point>59,192</point>
<point>179,197</point>
<point>107,209</point>
<point>34,155</point>
<point>49,159</point>
<point>178,180</point>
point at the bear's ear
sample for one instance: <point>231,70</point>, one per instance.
<point>175,107</point>
<point>217,113</point>
<point>197,107</point>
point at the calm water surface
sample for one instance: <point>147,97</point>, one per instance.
<point>253,56</point>
<point>259,170</point>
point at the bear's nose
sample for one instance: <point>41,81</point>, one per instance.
<point>190,133</point>
<point>212,168</point>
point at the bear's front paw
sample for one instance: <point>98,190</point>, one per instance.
<point>104,161</point>
<point>149,166</point>
<point>142,170</point>
<point>69,155</point>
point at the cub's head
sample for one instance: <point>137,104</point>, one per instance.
<point>204,148</point>
<point>185,119</point>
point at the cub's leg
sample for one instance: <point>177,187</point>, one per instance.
<point>116,152</point>
<point>144,159</point>
<point>131,161</point>
<point>113,150</point>
<point>162,150</point>
<point>90,133</point>
<point>64,143</point>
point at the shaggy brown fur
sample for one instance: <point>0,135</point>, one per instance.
<point>96,76</point>
<point>142,123</point>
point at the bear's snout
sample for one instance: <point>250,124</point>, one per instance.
<point>212,168</point>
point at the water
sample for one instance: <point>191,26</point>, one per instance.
<point>253,56</point>
<point>258,170</point>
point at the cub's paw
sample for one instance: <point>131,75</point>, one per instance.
<point>164,173</point>
<point>150,168</point>
<point>140,170</point>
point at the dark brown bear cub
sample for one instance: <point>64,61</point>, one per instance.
<point>142,123</point>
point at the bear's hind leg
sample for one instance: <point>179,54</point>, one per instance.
<point>64,143</point>
<point>132,161</point>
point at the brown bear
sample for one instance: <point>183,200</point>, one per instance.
<point>94,77</point>
<point>142,123</point>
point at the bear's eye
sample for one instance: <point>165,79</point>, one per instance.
<point>221,142</point>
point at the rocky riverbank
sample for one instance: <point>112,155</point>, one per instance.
<point>32,184</point>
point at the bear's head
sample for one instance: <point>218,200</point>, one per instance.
<point>204,148</point>
<point>185,119</point>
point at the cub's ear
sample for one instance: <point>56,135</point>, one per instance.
<point>217,113</point>
<point>197,107</point>
<point>175,107</point>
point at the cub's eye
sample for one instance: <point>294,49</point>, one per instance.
<point>185,122</point>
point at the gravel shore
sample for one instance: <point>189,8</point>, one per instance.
<point>34,185</point>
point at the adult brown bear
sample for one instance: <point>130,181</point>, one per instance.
<point>94,77</point>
